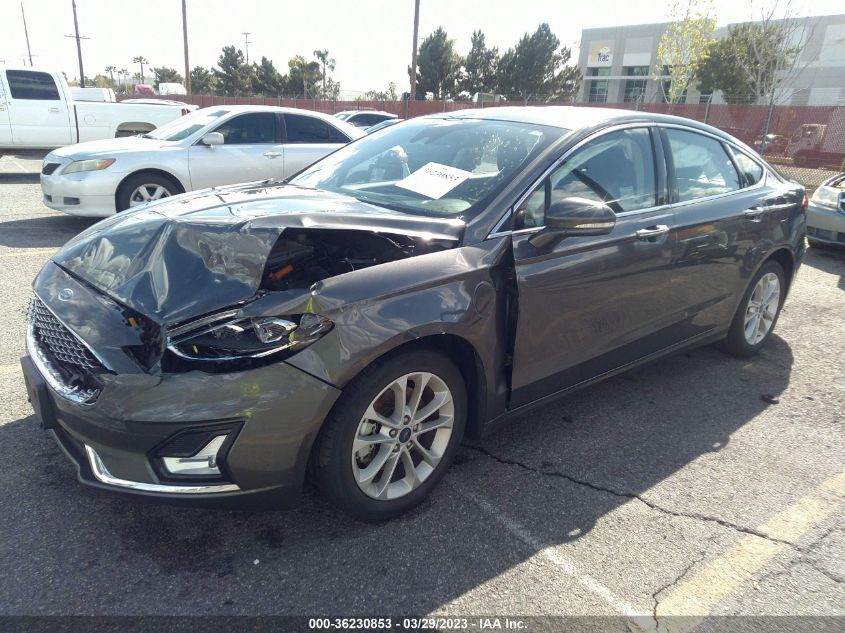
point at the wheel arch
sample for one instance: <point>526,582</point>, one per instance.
<point>786,259</point>
<point>148,170</point>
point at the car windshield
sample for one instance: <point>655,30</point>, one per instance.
<point>184,126</point>
<point>431,166</point>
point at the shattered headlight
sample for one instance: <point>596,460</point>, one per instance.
<point>229,337</point>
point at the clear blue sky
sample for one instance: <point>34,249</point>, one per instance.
<point>370,39</point>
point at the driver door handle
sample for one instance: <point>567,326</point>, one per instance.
<point>652,232</point>
<point>272,154</point>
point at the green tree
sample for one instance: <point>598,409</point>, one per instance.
<point>479,73</point>
<point>327,63</point>
<point>202,81</point>
<point>303,77</point>
<point>166,75</point>
<point>683,47</point>
<point>720,71</point>
<point>141,60</point>
<point>111,70</point>
<point>536,68</point>
<point>266,80</point>
<point>234,76</point>
<point>438,65</point>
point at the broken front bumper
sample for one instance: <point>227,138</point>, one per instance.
<point>272,414</point>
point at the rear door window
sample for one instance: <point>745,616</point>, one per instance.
<point>249,129</point>
<point>310,129</point>
<point>32,85</point>
<point>702,166</point>
<point>750,170</point>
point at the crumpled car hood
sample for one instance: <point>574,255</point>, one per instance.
<point>199,252</point>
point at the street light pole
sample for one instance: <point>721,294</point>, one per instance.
<point>185,38</point>
<point>414,52</point>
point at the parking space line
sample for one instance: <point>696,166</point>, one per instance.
<point>723,575</point>
<point>9,369</point>
<point>560,561</point>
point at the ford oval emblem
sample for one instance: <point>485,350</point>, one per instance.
<point>65,294</point>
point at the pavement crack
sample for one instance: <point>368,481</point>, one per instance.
<point>629,495</point>
<point>672,583</point>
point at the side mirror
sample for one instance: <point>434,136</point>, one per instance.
<point>212,138</point>
<point>574,217</point>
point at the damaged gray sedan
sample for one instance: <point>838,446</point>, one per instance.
<point>416,286</point>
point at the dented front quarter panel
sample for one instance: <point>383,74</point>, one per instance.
<point>458,292</point>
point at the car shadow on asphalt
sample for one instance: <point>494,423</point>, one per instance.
<point>548,471</point>
<point>828,259</point>
<point>42,232</point>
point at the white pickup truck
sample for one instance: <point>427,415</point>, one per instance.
<point>37,112</point>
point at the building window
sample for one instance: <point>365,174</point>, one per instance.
<point>635,87</point>
<point>598,87</point>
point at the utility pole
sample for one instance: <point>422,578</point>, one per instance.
<point>185,38</point>
<point>78,45</point>
<point>414,52</point>
<point>26,32</point>
<point>246,45</point>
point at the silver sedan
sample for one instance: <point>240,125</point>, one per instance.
<point>214,146</point>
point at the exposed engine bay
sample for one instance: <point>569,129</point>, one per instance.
<point>302,257</point>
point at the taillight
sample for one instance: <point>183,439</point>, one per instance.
<point>184,111</point>
<point>805,204</point>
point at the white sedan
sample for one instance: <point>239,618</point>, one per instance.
<point>219,145</point>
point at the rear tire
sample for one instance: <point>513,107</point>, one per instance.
<point>758,312</point>
<point>372,461</point>
<point>145,187</point>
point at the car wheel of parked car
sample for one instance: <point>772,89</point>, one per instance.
<point>143,188</point>
<point>758,311</point>
<point>392,435</point>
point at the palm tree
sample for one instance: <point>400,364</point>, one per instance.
<point>325,61</point>
<point>123,73</point>
<point>141,60</point>
<point>111,70</point>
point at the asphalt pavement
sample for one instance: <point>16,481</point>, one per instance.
<point>699,485</point>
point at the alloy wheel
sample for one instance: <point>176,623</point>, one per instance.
<point>403,435</point>
<point>147,193</point>
<point>762,308</point>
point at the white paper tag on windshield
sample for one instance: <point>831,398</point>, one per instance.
<point>434,180</point>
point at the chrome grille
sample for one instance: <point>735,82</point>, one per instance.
<point>49,168</point>
<point>59,341</point>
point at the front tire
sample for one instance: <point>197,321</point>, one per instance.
<point>392,435</point>
<point>758,311</point>
<point>145,187</point>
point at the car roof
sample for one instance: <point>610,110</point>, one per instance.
<point>380,112</point>
<point>575,117</point>
<point>350,130</point>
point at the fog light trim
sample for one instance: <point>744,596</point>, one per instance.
<point>203,464</point>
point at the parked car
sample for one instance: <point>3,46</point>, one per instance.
<point>382,125</point>
<point>93,94</point>
<point>156,101</point>
<point>143,89</point>
<point>421,283</point>
<point>172,88</point>
<point>208,148</point>
<point>37,112</point>
<point>826,214</point>
<point>364,118</point>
